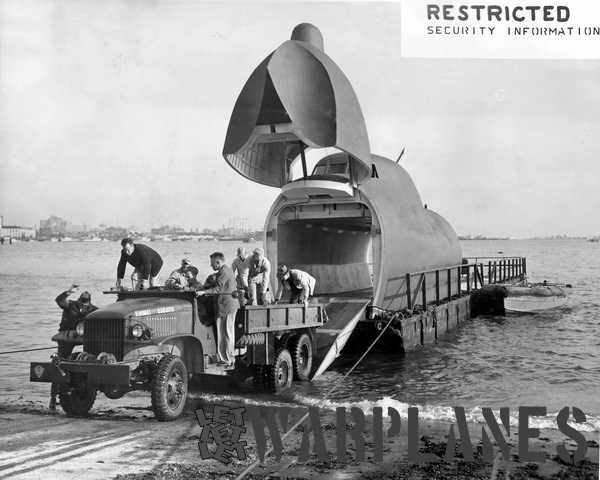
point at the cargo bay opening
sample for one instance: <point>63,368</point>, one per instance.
<point>333,242</point>
<point>319,226</point>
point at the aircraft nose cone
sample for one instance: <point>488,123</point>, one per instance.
<point>307,32</point>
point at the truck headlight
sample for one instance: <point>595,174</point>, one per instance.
<point>79,329</point>
<point>137,330</point>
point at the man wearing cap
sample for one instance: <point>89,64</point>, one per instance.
<point>259,274</point>
<point>146,261</point>
<point>191,276</point>
<point>73,312</point>
<point>179,278</point>
<point>300,283</point>
<point>241,267</point>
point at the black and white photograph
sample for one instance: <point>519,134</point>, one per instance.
<point>299,240</point>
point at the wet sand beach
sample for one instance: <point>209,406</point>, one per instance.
<point>122,440</point>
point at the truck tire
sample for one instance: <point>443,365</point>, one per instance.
<point>78,400</point>
<point>281,373</point>
<point>169,388</point>
<point>302,358</point>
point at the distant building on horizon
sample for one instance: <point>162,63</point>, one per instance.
<point>15,231</point>
<point>52,227</point>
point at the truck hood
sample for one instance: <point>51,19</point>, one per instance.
<point>140,307</point>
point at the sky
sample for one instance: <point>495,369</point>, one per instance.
<point>115,112</point>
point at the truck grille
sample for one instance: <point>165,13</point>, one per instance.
<point>104,335</point>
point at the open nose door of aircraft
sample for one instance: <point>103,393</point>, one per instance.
<point>295,99</point>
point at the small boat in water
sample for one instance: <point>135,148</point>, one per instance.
<point>535,297</point>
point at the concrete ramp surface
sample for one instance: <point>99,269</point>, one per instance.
<point>343,314</point>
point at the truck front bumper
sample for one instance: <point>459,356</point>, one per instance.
<point>97,373</point>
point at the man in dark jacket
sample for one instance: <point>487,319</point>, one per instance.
<point>74,312</point>
<point>225,287</point>
<point>146,261</point>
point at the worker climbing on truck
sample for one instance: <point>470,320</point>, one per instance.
<point>178,279</point>
<point>301,284</point>
<point>146,262</point>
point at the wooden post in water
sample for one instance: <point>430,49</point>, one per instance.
<point>449,282</point>
<point>424,291</point>
<point>520,267</point>
<point>408,293</point>
<point>469,279</point>
<point>489,272</point>
<point>437,287</point>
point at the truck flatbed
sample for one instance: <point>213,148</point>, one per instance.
<point>281,316</point>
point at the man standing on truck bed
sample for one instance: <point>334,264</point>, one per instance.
<point>223,286</point>
<point>241,267</point>
<point>146,261</point>
<point>259,281</point>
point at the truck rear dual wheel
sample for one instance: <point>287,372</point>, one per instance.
<point>169,388</point>
<point>78,400</point>
<point>279,375</point>
<point>301,350</point>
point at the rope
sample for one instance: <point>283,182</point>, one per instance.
<point>306,415</point>
<point>28,350</point>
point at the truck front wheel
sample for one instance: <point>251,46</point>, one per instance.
<point>77,401</point>
<point>169,388</point>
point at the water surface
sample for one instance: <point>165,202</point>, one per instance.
<point>550,359</point>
